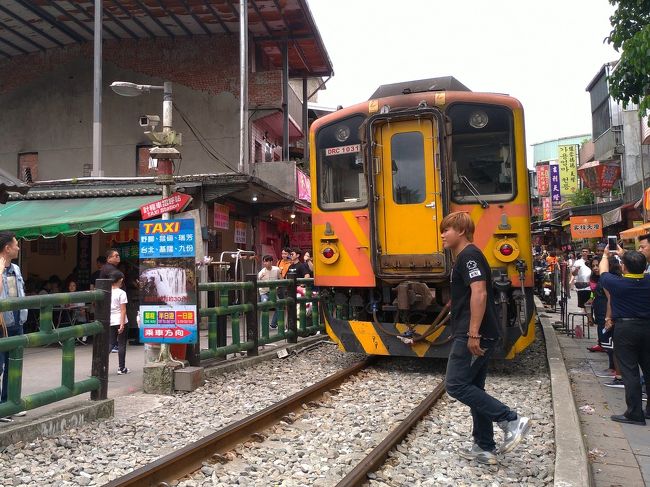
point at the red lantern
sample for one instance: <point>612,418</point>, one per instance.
<point>600,176</point>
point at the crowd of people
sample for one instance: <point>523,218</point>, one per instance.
<point>613,288</point>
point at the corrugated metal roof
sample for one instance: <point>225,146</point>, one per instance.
<point>28,26</point>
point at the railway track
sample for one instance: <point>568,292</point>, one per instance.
<point>169,469</point>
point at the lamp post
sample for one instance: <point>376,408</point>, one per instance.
<point>164,151</point>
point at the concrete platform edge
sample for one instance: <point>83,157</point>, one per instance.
<point>236,364</point>
<point>55,422</point>
<point>572,467</point>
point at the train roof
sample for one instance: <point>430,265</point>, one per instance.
<point>444,83</point>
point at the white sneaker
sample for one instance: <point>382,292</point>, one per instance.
<point>122,371</point>
<point>479,454</point>
<point>20,414</point>
<point>514,431</point>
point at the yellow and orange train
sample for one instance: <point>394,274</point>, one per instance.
<point>384,174</point>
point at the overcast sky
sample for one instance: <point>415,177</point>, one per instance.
<point>542,52</point>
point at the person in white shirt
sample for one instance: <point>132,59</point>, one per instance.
<point>581,272</point>
<point>269,273</point>
<point>118,319</point>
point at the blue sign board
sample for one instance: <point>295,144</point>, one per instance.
<point>167,238</point>
<point>168,312</point>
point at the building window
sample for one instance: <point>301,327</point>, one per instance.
<point>28,166</point>
<point>142,161</point>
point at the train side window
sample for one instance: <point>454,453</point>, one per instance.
<point>407,161</point>
<point>341,179</point>
<point>483,157</point>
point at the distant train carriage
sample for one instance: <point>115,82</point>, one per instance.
<point>384,174</point>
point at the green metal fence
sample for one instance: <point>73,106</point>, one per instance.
<point>15,346</point>
<point>293,318</point>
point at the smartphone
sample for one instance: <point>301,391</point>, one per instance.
<point>612,242</point>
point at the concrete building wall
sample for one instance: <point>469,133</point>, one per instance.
<point>632,172</point>
<point>46,101</point>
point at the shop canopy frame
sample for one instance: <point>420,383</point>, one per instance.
<point>30,219</point>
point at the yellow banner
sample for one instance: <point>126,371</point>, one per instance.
<point>568,162</point>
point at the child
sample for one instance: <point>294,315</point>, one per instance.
<point>118,319</point>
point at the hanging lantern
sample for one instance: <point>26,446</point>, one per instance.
<point>600,176</point>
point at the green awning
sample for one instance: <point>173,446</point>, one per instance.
<point>48,218</point>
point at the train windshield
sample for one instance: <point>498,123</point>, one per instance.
<point>483,165</point>
<point>341,180</point>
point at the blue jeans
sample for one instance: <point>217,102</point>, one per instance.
<point>274,321</point>
<point>465,381</point>
<point>4,362</point>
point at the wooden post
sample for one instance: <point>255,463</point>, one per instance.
<point>100,341</point>
<point>292,316</point>
<point>252,325</point>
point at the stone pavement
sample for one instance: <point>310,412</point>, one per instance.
<point>619,453</point>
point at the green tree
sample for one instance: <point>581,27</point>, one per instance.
<point>581,197</point>
<point>630,81</point>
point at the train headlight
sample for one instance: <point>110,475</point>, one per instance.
<point>329,252</point>
<point>506,250</point>
<point>342,133</point>
<point>478,119</point>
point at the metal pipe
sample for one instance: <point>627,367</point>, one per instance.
<point>167,106</point>
<point>644,212</point>
<point>285,100</point>
<point>305,122</point>
<point>97,92</point>
<point>243,87</point>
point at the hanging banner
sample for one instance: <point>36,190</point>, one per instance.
<point>547,208</point>
<point>221,217</point>
<point>555,183</point>
<point>167,280</point>
<point>240,232</point>
<point>590,226</point>
<point>303,186</point>
<point>568,164</point>
<point>542,180</point>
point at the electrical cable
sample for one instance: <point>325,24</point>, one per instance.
<point>202,140</point>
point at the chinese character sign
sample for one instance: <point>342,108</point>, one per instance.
<point>221,217</point>
<point>590,226</point>
<point>240,232</point>
<point>555,183</point>
<point>168,312</point>
<point>542,179</point>
<point>568,164</point>
<point>547,208</point>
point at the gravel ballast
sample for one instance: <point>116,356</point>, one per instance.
<point>322,442</point>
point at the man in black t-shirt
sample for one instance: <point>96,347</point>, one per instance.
<point>300,267</point>
<point>474,321</point>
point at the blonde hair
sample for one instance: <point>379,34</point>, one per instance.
<point>459,221</point>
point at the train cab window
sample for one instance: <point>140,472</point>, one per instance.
<point>483,157</point>
<point>407,161</point>
<point>340,178</point>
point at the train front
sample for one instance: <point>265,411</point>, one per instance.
<point>384,174</point>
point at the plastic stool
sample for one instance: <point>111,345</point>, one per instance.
<point>571,325</point>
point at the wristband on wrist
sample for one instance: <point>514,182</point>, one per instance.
<point>478,337</point>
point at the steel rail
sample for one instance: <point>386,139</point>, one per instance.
<point>376,458</point>
<point>188,459</point>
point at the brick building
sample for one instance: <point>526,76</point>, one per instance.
<point>47,100</point>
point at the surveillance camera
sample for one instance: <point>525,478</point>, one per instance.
<point>149,121</point>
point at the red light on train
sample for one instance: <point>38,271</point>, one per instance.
<point>328,252</point>
<point>506,249</point>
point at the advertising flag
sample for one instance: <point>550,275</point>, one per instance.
<point>555,183</point>
<point>568,164</point>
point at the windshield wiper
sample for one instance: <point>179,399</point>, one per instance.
<point>474,191</point>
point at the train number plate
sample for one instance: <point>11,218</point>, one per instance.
<point>346,149</point>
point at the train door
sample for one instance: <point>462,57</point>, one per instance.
<point>409,207</point>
